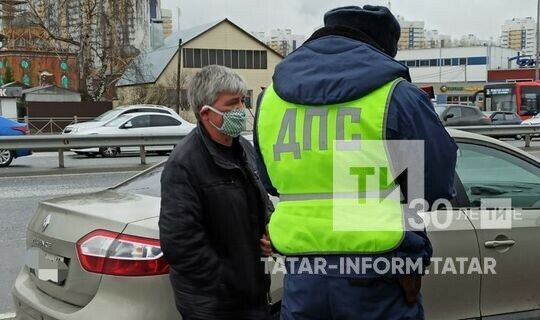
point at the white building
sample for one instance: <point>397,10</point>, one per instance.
<point>455,73</point>
<point>412,34</point>
<point>520,34</point>
<point>435,40</point>
<point>471,40</point>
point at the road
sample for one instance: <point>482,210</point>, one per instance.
<point>19,197</point>
<point>47,163</point>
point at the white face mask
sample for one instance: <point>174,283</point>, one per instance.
<point>234,121</point>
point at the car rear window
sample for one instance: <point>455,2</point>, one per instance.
<point>148,183</point>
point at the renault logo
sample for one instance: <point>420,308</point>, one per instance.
<point>45,222</point>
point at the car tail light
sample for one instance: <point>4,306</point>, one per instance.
<point>112,253</point>
<point>24,129</point>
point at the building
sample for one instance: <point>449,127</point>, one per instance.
<point>283,41</point>
<point>222,43</point>
<point>435,40</point>
<point>520,34</point>
<point>455,73</point>
<point>412,34</point>
<point>166,16</point>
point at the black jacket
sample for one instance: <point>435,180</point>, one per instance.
<point>208,234</point>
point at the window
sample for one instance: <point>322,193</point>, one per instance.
<point>256,59</point>
<point>468,112</point>
<point>462,61</point>
<point>249,59</point>
<point>433,63</point>
<point>264,60</point>
<point>498,117</point>
<point>227,54</point>
<point>197,58</point>
<point>447,62</point>
<point>455,61</point>
<point>456,111</point>
<point>163,121</point>
<point>204,57</point>
<point>219,57</point>
<point>490,173</point>
<point>530,101</point>
<point>140,122</point>
<point>212,58</point>
<point>188,58</point>
<point>476,61</point>
<point>410,63</point>
<point>242,59</point>
<point>234,58</point>
<point>424,63</point>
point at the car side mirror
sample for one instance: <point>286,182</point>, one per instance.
<point>127,125</point>
<point>448,116</point>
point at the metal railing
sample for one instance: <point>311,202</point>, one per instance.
<point>44,125</point>
<point>497,131</point>
<point>68,141</point>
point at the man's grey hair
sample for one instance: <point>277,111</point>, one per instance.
<point>206,85</point>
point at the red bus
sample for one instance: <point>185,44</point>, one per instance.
<point>522,98</point>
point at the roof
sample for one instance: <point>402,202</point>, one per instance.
<point>149,65</point>
<point>49,88</point>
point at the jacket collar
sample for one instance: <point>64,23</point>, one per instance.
<point>216,155</point>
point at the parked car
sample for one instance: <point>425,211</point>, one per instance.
<point>461,115</point>
<point>116,112</point>
<point>503,117</point>
<point>142,123</point>
<point>104,260</point>
<point>10,127</point>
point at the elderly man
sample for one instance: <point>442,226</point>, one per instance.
<point>214,208</point>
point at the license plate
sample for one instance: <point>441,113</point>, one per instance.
<point>46,266</point>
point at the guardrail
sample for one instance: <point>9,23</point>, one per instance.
<point>66,142</point>
<point>526,131</point>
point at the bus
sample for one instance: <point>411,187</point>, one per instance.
<point>522,98</point>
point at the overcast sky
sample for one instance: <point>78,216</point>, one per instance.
<point>453,17</point>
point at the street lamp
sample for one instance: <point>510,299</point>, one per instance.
<point>536,64</point>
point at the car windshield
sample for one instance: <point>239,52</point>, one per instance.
<point>148,183</point>
<point>109,115</point>
<point>118,121</point>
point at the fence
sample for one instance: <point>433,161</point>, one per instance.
<point>39,126</point>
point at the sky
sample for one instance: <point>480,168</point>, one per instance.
<point>456,18</point>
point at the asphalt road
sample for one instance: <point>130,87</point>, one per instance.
<point>47,163</point>
<point>19,197</point>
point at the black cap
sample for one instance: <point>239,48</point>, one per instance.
<point>375,21</point>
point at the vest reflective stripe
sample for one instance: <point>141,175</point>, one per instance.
<point>336,195</point>
<point>304,149</point>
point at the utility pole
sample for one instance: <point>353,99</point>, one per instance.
<point>178,74</point>
<point>536,64</point>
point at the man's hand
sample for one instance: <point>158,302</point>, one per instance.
<point>266,244</point>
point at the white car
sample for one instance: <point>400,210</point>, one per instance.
<point>142,123</point>
<point>532,121</point>
<point>116,112</point>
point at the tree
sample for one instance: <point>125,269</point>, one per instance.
<point>97,30</point>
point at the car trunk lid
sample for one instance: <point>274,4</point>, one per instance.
<point>57,226</point>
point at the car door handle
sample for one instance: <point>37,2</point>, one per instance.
<point>499,243</point>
